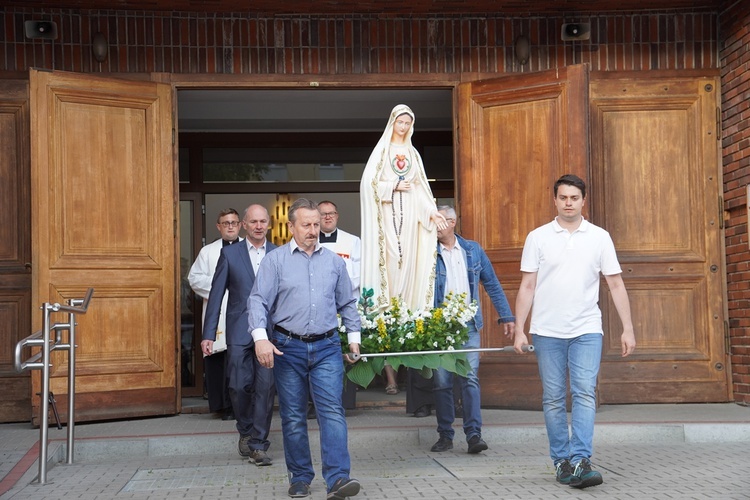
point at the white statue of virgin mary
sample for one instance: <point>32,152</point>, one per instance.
<point>399,219</point>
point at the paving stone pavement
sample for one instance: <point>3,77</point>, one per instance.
<point>642,451</point>
<point>631,471</point>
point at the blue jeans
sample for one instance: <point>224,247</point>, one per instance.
<point>317,368</point>
<point>251,390</point>
<point>470,394</point>
<point>580,357</point>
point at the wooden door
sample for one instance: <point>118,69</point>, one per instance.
<point>103,188</point>
<point>516,136</point>
<point>15,246</point>
<point>656,187</point>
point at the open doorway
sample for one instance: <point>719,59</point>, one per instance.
<point>239,147</point>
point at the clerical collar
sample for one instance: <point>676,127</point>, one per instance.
<point>328,238</point>
<point>225,243</point>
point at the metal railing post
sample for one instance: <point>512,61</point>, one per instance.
<point>72,378</point>
<point>44,411</point>
<point>42,339</point>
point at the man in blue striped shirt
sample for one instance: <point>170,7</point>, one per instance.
<point>300,288</point>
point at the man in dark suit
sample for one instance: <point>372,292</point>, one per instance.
<point>251,386</point>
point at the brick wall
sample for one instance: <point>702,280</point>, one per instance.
<point>735,83</point>
<point>353,44</point>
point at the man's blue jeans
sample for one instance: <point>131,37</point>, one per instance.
<point>580,357</point>
<point>315,367</point>
<point>470,394</point>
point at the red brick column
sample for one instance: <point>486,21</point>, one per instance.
<point>734,56</point>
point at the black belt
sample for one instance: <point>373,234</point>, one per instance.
<point>305,338</point>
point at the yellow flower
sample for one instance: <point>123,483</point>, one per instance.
<point>382,330</point>
<point>420,326</point>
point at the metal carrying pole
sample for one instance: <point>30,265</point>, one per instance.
<point>507,348</point>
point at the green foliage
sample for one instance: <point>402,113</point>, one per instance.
<point>397,329</point>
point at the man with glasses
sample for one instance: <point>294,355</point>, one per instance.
<point>346,245</point>
<point>251,386</point>
<point>200,277</point>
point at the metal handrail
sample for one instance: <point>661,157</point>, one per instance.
<point>42,339</point>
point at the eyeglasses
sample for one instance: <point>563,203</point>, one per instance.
<point>325,215</point>
<point>230,223</point>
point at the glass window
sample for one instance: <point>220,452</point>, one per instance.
<point>284,164</point>
<point>184,165</point>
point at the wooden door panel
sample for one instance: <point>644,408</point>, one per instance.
<point>15,246</point>
<point>104,189</point>
<point>517,135</point>
<point>657,181</point>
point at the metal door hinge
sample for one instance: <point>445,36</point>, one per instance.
<point>727,340</point>
<point>718,123</point>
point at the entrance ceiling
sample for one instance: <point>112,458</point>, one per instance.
<point>511,7</point>
<point>340,110</point>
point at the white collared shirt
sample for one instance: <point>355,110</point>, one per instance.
<point>456,273</point>
<point>256,254</point>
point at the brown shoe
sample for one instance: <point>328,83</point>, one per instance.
<point>259,458</point>
<point>244,446</point>
<point>343,488</point>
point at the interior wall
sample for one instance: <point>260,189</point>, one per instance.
<point>348,204</point>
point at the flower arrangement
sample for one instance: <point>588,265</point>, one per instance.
<point>397,329</point>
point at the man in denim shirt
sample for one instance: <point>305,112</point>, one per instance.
<point>461,266</point>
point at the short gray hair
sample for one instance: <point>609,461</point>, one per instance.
<point>300,203</point>
<point>447,208</point>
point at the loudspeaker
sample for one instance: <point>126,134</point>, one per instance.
<point>576,31</point>
<point>46,30</point>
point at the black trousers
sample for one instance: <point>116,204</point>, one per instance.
<point>216,382</point>
<point>419,391</point>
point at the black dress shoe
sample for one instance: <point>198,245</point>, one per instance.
<point>443,444</point>
<point>423,411</point>
<point>228,415</point>
<point>477,444</point>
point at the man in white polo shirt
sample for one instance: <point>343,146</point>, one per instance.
<point>560,267</point>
